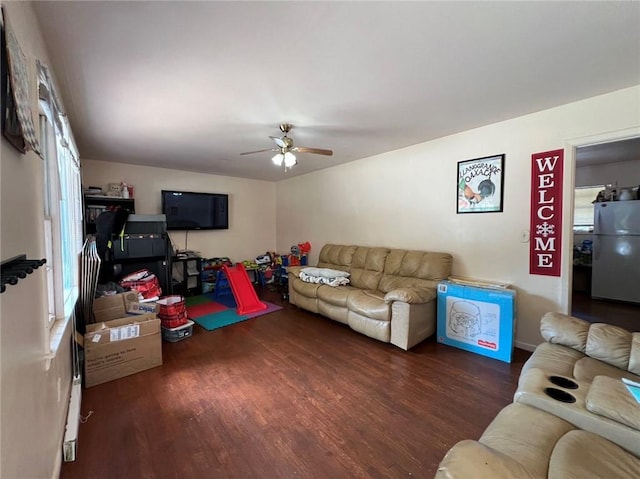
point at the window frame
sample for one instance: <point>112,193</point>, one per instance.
<point>62,208</point>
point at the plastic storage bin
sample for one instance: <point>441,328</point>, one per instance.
<point>179,333</point>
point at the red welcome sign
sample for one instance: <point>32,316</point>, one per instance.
<point>546,213</point>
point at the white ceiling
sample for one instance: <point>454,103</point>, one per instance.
<point>191,85</point>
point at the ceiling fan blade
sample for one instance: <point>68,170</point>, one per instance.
<point>259,151</point>
<point>315,151</point>
<point>279,141</point>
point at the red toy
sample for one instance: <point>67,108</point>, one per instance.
<point>304,247</point>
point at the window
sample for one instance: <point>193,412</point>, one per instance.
<point>583,207</point>
<point>62,228</point>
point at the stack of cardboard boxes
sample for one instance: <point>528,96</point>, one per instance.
<point>125,338</point>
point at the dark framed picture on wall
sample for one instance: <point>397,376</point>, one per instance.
<point>480,183</point>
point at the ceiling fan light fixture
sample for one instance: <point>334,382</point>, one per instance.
<point>285,148</point>
<point>289,159</point>
<point>277,159</point>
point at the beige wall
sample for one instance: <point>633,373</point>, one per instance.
<point>406,198</point>
<point>34,395</point>
<point>252,229</point>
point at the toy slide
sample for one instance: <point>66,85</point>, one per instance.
<point>246,297</point>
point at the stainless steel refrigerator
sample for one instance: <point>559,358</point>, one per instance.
<point>616,251</point>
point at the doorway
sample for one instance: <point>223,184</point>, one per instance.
<point>611,162</point>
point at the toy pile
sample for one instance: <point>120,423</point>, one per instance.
<point>298,256</point>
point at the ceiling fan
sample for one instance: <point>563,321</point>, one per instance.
<point>285,149</point>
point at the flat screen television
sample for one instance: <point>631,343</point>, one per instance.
<point>186,210</point>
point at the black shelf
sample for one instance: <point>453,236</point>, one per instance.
<point>185,275</point>
<point>96,204</point>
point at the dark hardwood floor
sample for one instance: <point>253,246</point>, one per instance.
<point>625,315</point>
<point>290,394</point>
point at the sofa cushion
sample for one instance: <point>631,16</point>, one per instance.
<point>367,267</point>
<point>406,268</point>
<point>336,256</point>
<point>554,358</point>
<point>471,459</point>
<point>610,344</point>
<point>526,434</point>
<point>331,311</point>
<point>370,304</point>
<point>588,368</point>
<point>567,330</point>
<point>583,454</point>
<point>608,397</point>
<point>376,329</point>
<point>335,295</point>
<point>306,289</point>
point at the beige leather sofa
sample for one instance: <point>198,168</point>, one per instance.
<point>391,296</point>
<point>572,415</point>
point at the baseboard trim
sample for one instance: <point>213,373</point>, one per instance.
<point>70,444</point>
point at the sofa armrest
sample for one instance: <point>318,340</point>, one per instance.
<point>411,295</point>
<point>294,270</point>
<point>473,459</point>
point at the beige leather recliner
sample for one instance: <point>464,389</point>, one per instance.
<point>391,296</point>
<point>524,442</point>
<point>572,415</point>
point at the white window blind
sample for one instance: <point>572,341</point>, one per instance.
<point>583,207</point>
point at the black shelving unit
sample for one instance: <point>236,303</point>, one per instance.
<point>208,270</point>
<point>144,244</point>
<point>96,204</point>
<point>186,279</point>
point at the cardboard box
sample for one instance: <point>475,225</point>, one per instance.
<point>142,308</point>
<point>119,348</point>
<point>114,306</point>
<point>477,318</point>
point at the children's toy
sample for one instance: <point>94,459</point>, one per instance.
<point>243,291</point>
<point>299,254</point>
<point>264,259</point>
<point>304,247</point>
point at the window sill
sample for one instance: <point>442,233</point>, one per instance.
<point>58,328</point>
<point>56,333</point>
